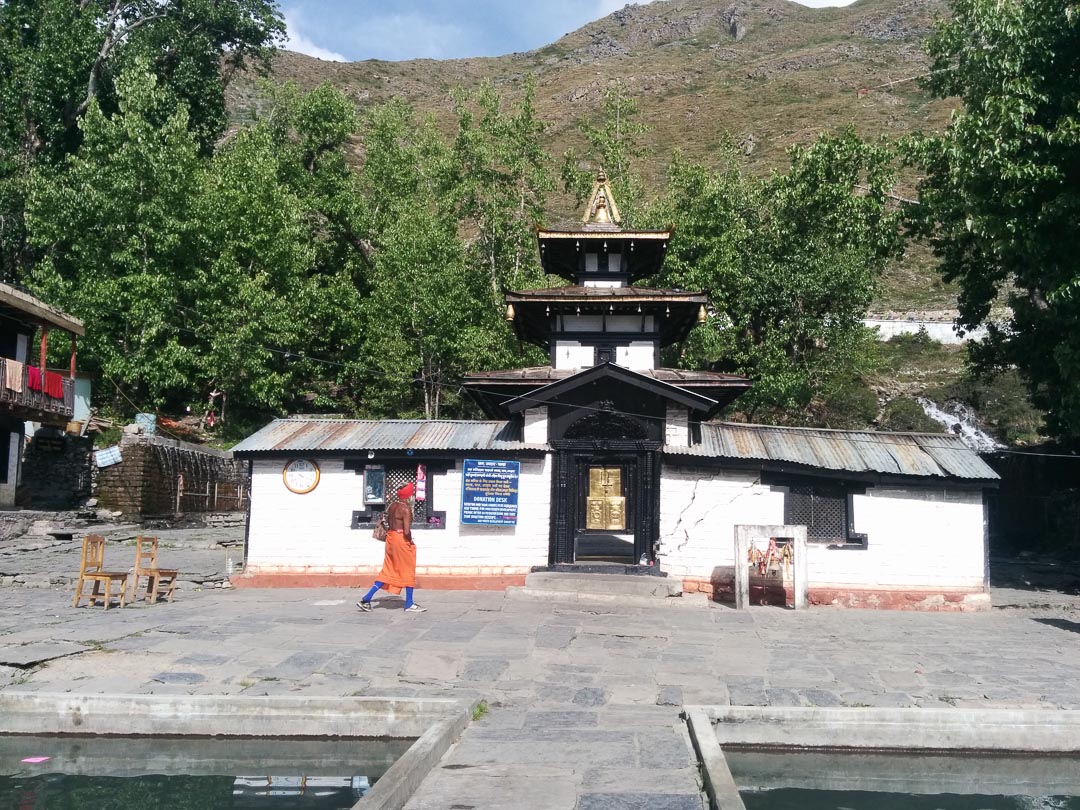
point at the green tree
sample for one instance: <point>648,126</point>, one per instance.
<point>1000,200</point>
<point>502,180</point>
<point>430,313</point>
<point>614,144</point>
<point>790,264</point>
<point>57,57</point>
<point>237,272</point>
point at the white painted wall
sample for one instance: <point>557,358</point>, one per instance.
<point>919,538</point>
<point>536,425</point>
<point>629,323</point>
<point>941,331</point>
<point>639,355</point>
<point>570,354</point>
<point>311,533</point>
<point>601,282</point>
<point>582,323</point>
<point>677,426</point>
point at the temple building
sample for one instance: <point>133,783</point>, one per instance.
<point>603,461</point>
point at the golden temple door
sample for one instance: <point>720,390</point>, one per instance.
<point>605,506</point>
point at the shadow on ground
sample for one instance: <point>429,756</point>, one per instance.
<point>1061,624</point>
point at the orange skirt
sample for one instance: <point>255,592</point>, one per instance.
<point>399,564</point>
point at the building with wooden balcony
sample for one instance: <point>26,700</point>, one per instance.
<point>29,391</point>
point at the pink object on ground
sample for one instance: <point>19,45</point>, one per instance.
<point>35,760</point>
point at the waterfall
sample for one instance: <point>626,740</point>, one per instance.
<point>959,419</point>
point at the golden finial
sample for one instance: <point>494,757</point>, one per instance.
<point>601,207</point>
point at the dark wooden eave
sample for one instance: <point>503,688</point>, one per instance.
<point>676,311</point>
<point>562,252</point>
<point>704,392</point>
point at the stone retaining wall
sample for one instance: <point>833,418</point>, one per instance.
<point>143,485</point>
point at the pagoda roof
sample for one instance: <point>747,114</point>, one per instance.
<point>530,311</point>
<point>562,251</point>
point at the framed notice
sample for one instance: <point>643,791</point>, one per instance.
<point>489,492</point>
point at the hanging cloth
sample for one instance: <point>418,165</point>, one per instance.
<point>13,375</point>
<point>33,378</point>
<point>54,385</point>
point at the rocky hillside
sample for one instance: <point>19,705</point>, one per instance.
<point>767,71</point>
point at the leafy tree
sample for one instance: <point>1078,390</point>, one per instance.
<point>1001,196</point>
<point>57,57</point>
<point>502,180</point>
<point>790,264</point>
<point>614,144</point>
<point>115,225</point>
<point>232,272</point>
<point>430,313</point>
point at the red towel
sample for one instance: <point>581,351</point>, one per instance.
<point>33,378</point>
<point>54,386</point>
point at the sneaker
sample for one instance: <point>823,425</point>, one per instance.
<point>365,607</point>
<point>415,608</point>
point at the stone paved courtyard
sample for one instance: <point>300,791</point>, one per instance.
<point>584,701</point>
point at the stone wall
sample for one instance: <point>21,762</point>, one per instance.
<point>144,484</point>
<point>56,471</point>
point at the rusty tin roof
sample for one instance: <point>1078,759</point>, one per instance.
<point>349,435</point>
<point>909,454</point>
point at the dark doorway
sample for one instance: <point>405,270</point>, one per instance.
<point>605,502</point>
<point>605,525</point>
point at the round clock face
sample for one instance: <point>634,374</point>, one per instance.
<point>301,475</point>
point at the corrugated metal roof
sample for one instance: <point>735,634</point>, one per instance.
<point>915,454</point>
<point>347,435</point>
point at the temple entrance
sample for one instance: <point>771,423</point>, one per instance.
<point>604,532</point>
<point>605,503</point>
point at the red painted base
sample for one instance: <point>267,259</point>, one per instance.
<point>434,582</point>
<point>722,589</point>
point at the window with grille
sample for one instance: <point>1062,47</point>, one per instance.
<point>823,509</point>
<point>396,478</point>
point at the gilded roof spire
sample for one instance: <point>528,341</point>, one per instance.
<point>601,208</point>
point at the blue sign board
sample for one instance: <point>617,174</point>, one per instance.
<point>489,492</point>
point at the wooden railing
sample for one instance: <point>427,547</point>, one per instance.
<point>37,401</point>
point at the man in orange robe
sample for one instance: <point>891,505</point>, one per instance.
<point>399,562</point>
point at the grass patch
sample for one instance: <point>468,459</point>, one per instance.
<point>479,710</point>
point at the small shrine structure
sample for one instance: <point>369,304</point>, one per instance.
<point>603,460</point>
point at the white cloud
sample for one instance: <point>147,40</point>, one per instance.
<point>296,41</point>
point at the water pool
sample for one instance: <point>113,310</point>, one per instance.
<point>153,773</point>
<point>843,780</point>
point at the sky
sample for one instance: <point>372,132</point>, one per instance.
<point>349,30</point>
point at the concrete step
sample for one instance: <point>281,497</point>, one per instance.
<point>609,584</point>
<point>615,600</point>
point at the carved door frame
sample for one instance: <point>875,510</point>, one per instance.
<point>573,458</point>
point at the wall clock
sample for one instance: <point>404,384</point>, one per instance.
<point>301,475</point>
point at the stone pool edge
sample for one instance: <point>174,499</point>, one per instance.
<point>435,723</point>
<point>1013,730</point>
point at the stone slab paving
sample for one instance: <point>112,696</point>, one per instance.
<point>583,701</point>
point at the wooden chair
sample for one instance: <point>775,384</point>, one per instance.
<point>90,568</point>
<point>158,580</point>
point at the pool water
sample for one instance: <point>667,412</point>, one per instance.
<point>777,779</point>
<point>798,799</point>
<point>111,773</point>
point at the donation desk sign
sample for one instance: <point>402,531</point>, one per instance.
<point>489,492</point>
